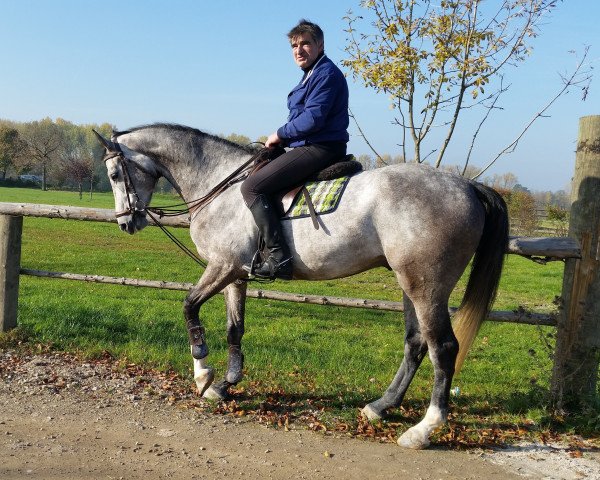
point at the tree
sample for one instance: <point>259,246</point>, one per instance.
<point>559,218</point>
<point>11,147</point>
<point>507,181</point>
<point>78,169</point>
<point>239,139</point>
<point>99,178</point>
<point>366,161</point>
<point>44,140</point>
<point>470,171</point>
<point>521,210</point>
<point>436,59</point>
<point>76,160</point>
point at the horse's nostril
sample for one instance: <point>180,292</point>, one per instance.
<point>123,226</point>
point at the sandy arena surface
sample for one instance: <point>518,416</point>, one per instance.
<point>67,419</point>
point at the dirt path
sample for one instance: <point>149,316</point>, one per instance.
<point>65,419</point>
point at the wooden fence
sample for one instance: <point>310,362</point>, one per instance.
<point>539,249</point>
<point>576,357</point>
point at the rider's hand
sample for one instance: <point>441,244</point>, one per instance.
<point>273,140</point>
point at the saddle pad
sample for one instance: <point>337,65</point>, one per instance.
<point>325,196</point>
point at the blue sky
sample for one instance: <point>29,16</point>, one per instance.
<point>226,67</point>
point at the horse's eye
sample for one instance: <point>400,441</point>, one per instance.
<point>114,176</point>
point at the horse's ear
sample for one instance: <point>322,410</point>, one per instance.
<point>105,143</point>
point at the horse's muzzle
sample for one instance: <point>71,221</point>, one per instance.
<point>133,223</point>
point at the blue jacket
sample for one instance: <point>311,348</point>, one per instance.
<point>318,107</point>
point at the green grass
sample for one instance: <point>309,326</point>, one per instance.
<point>337,357</point>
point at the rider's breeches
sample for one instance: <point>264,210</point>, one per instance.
<point>291,169</point>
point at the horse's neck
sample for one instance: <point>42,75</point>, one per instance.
<point>196,168</point>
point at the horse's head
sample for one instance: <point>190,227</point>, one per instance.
<point>133,177</point>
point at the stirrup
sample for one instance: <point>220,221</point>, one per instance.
<point>255,262</point>
<point>281,270</point>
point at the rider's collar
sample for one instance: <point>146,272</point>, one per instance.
<point>308,72</point>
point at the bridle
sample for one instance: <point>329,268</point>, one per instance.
<point>138,205</point>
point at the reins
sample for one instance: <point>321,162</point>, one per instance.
<point>196,205</point>
<point>184,248</point>
<point>193,207</point>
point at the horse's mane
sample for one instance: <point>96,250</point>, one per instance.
<point>174,127</point>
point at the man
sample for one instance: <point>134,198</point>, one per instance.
<point>316,131</point>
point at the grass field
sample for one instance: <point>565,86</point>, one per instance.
<point>336,358</point>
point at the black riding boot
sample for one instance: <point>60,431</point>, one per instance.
<point>279,260</point>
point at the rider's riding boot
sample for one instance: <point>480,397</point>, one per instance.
<point>279,260</point>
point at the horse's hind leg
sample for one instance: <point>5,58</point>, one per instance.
<point>415,349</point>
<point>443,348</point>
<point>235,301</point>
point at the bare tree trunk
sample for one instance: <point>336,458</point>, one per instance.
<point>44,176</point>
<point>575,373</point>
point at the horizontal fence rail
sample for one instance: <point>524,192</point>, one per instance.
<point>538,249</point>
<point>517,316</point>
<point>545,248</point>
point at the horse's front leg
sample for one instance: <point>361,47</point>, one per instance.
<point>212,281</point>
<point>235,300</point>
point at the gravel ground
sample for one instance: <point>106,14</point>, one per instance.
<point>61,417</point>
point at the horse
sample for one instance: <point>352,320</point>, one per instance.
<point>424,224</point>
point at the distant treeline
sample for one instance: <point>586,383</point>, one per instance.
<point>57,154</point>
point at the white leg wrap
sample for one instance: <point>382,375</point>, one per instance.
<point>203,375</point>
<point>417,437</point>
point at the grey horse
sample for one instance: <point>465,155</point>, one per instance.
<point>423,224</point>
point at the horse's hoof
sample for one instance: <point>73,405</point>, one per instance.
<point>235,365</point>
<point>214,394</point>
<point>370,414</point>
<point>203,378</point>
<point>414,440</point>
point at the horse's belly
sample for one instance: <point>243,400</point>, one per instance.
<point>321,255</point>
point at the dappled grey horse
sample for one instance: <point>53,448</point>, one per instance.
<point>423,224</point>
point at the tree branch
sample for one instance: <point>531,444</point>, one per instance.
<point>572,80</point>
<point>483,120</point>
<point>364,137</point>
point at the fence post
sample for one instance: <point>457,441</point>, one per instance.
<point>577,355</point>
<point>10,266</point>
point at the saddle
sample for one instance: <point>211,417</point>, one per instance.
<point>283,200</point>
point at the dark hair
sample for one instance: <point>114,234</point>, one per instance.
<point>304,26</point>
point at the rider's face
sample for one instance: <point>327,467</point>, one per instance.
<point>305,50</point>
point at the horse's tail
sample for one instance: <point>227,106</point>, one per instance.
<point>485,271</point>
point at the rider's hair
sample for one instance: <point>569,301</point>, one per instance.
<point>304,26</point>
